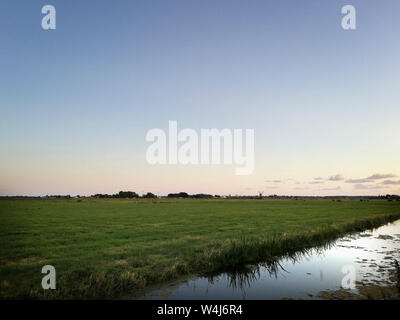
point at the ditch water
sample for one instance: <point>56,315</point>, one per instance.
<point>372,253</point>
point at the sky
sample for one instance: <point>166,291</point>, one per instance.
<point>77,102</point>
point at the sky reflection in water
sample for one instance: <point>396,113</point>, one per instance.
<point>302,275</point>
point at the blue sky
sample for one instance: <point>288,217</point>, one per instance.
<point>76,102</point>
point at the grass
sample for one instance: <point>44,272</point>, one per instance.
<point>108,248</point>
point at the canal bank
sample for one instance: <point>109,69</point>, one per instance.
<point>315,273</point>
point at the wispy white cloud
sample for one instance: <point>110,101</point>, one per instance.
<point>302,188</point>
<point>332,189</point>
<point>377,176</point>
<point>391,182</point>
<point>367,187</point>
<point>338,177</point>
<point>358,181</point>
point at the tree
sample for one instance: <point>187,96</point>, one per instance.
<point>127,194</point>
<point>149,195</point>
<point>178,195</point>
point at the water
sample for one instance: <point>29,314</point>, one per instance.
<point>302,276</point>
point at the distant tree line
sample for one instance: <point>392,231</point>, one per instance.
<point>121,194</point>
<point>131,194</point>
<point>58,196</point>
<point>390,197</point>
<point>196,196</point>
<point>150,195</point>
<point>125,195</point>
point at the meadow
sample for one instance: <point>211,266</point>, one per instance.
<point>112,248</point>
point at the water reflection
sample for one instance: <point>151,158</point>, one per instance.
<point>299,275</point>
<point>244,276</point>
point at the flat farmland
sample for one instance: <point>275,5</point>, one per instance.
<point>109,248</point>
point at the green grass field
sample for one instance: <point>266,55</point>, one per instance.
<point>108,248</point>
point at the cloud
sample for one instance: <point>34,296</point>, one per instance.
<point>274,181</point>
<point>358,181</point>
<point>302,188</point>
<point>338,177</point>
<point>332,189</point>
<point>316,182</point>
<point>391,182</point>
<point>319,178</point>
<point>366,187</point>
<point>377,176</point>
